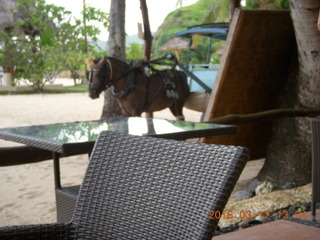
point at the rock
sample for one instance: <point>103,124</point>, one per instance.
<point>253,185</point>
<point>244,224</point>
<point>288,186</point>
<point>249,223</point>
<point>292,209</point>
<point>274,216</point>
<point>271,202</point>
<point>263,188</point>
<point>253,221</point>
<point>235,225</point>
<point>242,194</point>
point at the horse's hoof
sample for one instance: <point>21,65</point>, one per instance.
<point>180,118</point>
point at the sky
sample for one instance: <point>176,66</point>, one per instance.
<point>157,10</point>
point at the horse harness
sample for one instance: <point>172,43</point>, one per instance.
<point>102,74</point>
<point>125,90</point>
<point>169,84</point>
<point>130,84</point>
<point>166,76</point>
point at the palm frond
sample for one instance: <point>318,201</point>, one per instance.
<point>218,12</point>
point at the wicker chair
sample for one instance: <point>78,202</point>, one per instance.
<point>147,188</point>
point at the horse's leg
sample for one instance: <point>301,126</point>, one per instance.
<point>176,110</point>
<point>127,109</point>
<point>149,114</point>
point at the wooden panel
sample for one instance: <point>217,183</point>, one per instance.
<point>253,68</point>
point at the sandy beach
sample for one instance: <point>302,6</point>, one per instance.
<point>27,191</point>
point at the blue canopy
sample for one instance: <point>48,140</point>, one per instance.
<point>213,30</point>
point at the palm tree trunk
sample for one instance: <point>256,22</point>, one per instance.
<point>116,48</point>
<point>289,153</point>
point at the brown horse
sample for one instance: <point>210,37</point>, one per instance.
<point>134,90</point>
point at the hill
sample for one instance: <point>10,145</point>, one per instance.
<point>179,20</point>
<point>133,39</point>
<point>102,45</point>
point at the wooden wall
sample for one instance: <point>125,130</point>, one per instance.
<point>253,68</point>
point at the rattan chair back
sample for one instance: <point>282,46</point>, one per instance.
<point>152,188</point>
<point>147,188</point>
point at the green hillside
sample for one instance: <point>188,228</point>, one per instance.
<point>179,20</point>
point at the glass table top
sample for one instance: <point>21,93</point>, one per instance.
<point>88,131</point>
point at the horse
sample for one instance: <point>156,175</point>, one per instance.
<point>135,91</point>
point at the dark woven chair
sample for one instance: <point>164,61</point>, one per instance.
<point>147,188</point>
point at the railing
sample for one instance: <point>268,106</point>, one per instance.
<point>201,76</point>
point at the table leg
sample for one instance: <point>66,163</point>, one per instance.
<point>66,197</point>
<point>315,127</point>
<point>56,169</point>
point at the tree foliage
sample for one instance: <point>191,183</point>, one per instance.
<point>53,41</point>
<point>202,12</point>
<point>179,20</point>
<point>267,4</point>
<point>134,51</point>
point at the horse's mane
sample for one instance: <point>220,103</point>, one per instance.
<point>118,62</point>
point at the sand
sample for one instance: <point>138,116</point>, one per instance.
<point>27,191</point>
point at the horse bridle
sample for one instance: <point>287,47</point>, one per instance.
<point>103,74</point>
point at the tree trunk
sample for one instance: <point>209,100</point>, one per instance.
<point>116,48</point>
<point>289,152</point>
<point>232,6</point>
<point>147,32</point>
<point>147,37</point>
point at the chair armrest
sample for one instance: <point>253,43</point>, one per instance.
<point>36,231</point>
